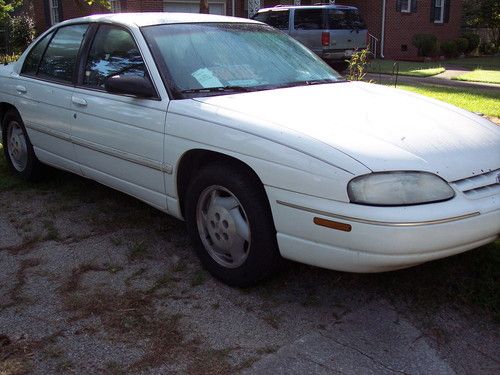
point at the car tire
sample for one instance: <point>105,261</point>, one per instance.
<point>231,225</point>
<point>17,147</point>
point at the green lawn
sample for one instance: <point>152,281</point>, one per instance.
<point>480,75</point>
<point>488,62</point>
<point>474,100</point>
<point>415,69</point>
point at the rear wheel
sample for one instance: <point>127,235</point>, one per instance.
<point>18,149</point>
<point>231,225</point>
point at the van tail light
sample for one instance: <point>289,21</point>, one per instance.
<point>325,38</point>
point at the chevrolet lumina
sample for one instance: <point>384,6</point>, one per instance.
<point>263,149</point>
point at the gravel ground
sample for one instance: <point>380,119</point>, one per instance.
<point>92,281</point>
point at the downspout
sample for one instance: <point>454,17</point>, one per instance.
<point>233,4</point>
<point>382,36</point>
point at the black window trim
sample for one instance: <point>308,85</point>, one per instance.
<point>54,32</point>
<point>85,51</point>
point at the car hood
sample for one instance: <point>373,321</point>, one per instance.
<point>382,128</point>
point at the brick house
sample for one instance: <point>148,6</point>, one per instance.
<point>392,22</point>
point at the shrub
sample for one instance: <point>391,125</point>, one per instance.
<point>473,40</point>
<point>21,32</point>
<point>488,48</point>
<point>357,65</point>
<point>462,45</point>
<point>449,48</point>
<point>426,44</point>
<point>6,59</point>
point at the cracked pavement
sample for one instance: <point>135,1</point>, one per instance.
<point>93,281</point>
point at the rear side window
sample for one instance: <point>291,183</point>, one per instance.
<point>59,60</point>
<point>340,19</point>
<point>30,66</point>
<point>274,18</point>
<point>113,52</point>
<point>308,19</point>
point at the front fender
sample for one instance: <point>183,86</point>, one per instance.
<point>282,160</point>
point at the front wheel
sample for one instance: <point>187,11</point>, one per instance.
<point>231,225</point>
<point>18,149</point>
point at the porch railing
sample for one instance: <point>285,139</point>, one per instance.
<point>373,44</point>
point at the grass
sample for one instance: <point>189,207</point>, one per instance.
<point>487,62</point>
<point>480,75</point>
<point>138,250</point>
<point>198,278</point>
<point>470,280</point>
<point>474,100</point>
<point>415,69</point>
<point>7,180</point>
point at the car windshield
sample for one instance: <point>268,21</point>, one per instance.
<point>214,58</point>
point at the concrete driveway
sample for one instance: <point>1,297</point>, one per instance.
<point>93,281</point>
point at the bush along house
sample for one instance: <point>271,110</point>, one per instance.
<point>392,24</point>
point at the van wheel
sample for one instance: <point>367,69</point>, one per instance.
<point>17,147</point>
<point>230,223</point>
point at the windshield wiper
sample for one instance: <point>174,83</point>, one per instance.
<point>320,81</point>
<point>217,89</point>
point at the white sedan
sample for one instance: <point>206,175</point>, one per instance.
<point>262,148</point>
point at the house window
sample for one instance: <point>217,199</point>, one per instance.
<point>193,6</point>
<point>116,6</point>
<point>406,6</point>
<point>54,11</point>
<point>439,11</point>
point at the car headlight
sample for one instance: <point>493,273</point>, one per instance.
<point>398,189</point>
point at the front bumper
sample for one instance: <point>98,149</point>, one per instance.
<point>381,238</point>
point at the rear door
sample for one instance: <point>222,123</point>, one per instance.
<point>119,138</point>
<point>45,87</point>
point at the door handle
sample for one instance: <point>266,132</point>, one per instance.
<point>21,89</point>
<point>79,101</point>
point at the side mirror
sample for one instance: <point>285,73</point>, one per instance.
<point>130,85</point>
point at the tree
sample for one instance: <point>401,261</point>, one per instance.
<point>8,6</point>
<point>484,14</point>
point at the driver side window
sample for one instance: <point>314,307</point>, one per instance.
<point>113,52</point>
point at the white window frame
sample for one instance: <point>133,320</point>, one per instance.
<point>54,11</point>
<point>116,6</point>
<point>197,2</point>
<point>408,7</point>
<point>441,13</point>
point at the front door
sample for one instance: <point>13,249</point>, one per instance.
<point>119,138</point>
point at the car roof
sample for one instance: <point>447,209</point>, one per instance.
<point>316,6</point>
<point>152,18</point>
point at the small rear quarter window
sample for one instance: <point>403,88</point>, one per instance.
<point>31,62</point>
